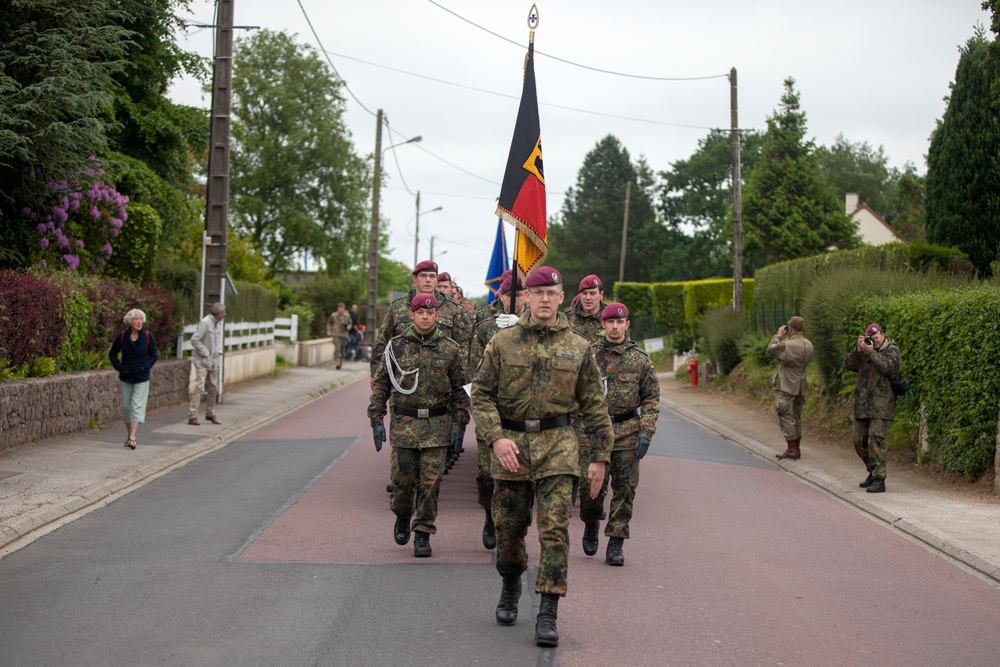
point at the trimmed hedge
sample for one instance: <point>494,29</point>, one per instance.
<point>668,304</point>
<point>949,342</point>
<point>637,296</point>
<point>700,295</point>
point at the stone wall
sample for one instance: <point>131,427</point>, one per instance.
<point>39,408</point>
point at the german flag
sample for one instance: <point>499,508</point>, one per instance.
<point>522,194</point>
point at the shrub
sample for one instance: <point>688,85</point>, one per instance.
<point>700,295</point>
<point>668,304</point>
<point>637,296</point>
<point>253,303</point>
<point>28,326</point>
<point>723,329</point>
<point>134,257</point>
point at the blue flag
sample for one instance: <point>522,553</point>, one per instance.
<point>499,263</point>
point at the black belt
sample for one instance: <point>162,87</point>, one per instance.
<point>534,425</point>
<point>625,416</point>
<point>419,413</point>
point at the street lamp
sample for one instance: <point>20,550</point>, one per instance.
<point>416,232</point>
<point>371,315</point>
<point>443,252</point>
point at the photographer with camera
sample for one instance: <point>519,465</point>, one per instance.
<point>875,360</point>
<point>793,354</point>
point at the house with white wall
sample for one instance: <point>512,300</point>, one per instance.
<point>872,228</point>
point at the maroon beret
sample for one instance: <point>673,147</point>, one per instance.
<point>590,282</point>
<point>544,276</point>
<point>426,265</point>
<point>613,310</point>
<point>445,276</point>
<point>505,285</point>
<point>576,300</point>
<point>872,329</point>
<point>423,301</point>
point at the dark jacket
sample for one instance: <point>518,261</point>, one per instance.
<point>137,356</point>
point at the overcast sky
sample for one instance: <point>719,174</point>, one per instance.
<point>872,70</point>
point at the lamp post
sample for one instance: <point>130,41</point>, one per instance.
<point>443,252</point>
<point>416,232</point>
<point>371,316</point>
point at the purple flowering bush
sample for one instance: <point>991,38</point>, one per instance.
<point>76,220</point>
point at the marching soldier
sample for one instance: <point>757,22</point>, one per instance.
<point>492,309</point>
<point>585,316</point>
<point>533,376</point>
<point>421,373</point>
<point>445,285</point>
<point>453,321</point>
<point>482,336</point>
<point>634,405</point>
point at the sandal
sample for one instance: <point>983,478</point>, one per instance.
<point>130,443</point>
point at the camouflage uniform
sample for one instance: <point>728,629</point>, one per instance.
<point>632,384</point>
<point>481,337</point>
<point>591,328</point>
<point>453,322</point>
<point>874,402</point>
<point>419,445</point>
<point>789,383</point>
<point>488,312</point>
<point>337,327</point>
<point>535,372</point>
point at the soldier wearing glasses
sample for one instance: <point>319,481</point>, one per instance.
<point>533,377</point>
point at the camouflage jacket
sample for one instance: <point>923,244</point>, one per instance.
<point>453,321</point>
<point>793,354</point>
<point>338,325</point>
<point>488,312</point>
<point>588,326</point>
<point>632,384</point>
<point>481,337</point>
<point>873,397</point>
<point>530,371</point>
<point>439,385</point>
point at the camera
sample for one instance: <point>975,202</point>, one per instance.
<point>869,341</point>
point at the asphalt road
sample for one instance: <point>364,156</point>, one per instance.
<point>277,550</point>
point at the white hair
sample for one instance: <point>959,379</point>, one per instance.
<point>132,314</point>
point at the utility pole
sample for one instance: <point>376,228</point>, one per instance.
<point>737,197</point>
<point>621,262</point>
<point>432,251</point>
<point>416,235</point>
<point>213,272</point>
<point>371,315</point>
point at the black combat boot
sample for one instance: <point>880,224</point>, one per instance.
<point>868,481</point>
<point>614,555</point>
<point>546,633</point>
<point>422,544</point>
<point>509,595</point>
<point>401,532</point>
<point>877,486</point>
<point>489,532</point>
<point>590,539</point>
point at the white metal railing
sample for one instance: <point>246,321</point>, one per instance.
<point>244,335</point>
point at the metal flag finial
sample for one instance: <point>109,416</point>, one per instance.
<point>533,17</point>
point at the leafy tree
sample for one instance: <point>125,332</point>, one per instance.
<point>57,63</point>
<point>789,210</point>
<point>696,207</point>
<point>963,163</point>
<point>857,167</point>
<point>588,236</point>
<point>296,183</point>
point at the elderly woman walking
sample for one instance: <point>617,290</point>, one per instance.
<point>138,354</point>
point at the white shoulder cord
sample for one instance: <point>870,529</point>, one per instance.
<point>391,363</point>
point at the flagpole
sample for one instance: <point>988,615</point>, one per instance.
<point>513,278</point>
<point>532,24</point>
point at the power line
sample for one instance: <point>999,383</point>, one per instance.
<point>575,64</point>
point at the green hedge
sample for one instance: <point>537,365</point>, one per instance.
<point>949,342</point>
<point>252,303</point>
<point>637,296</point>
<point>668,304</point>
<point>700,295</point>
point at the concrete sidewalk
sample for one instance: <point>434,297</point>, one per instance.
<point>45,485</point>
<point>42,485</point>
<point>950,518</point>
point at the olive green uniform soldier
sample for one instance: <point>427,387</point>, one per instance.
<point>876,360</point>
<point>533,376</point>
<point>338,327</point>
<point>453,321</point>
<point>429,412</point>
<point>491,310</point>
<point>633,397</point>
<point>482,336</point>
<point>789,383</point>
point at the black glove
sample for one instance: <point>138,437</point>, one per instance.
<point>641,445</point>
<point>378,434</point>
<point>456,437</point>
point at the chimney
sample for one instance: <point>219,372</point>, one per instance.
<point>851,202</point>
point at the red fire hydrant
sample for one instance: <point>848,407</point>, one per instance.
<point>693,372</point>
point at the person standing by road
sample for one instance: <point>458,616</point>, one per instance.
<point>421,373</point>
<point>875,360</point>
<point>789,383</point>
<point>533,376</point>
<point>482,336</point>
<point>634,406</point>
<point>353,336</point>
<point>137,350</point>
<point>338,327</point>
<point>206,353</point>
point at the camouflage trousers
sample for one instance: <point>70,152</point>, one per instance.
<point>416,479</point>
<point>789,409</point>
<point>484,479</point>
<point>512,502</point>
<point>869,442</point>
<point>624,475</point>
